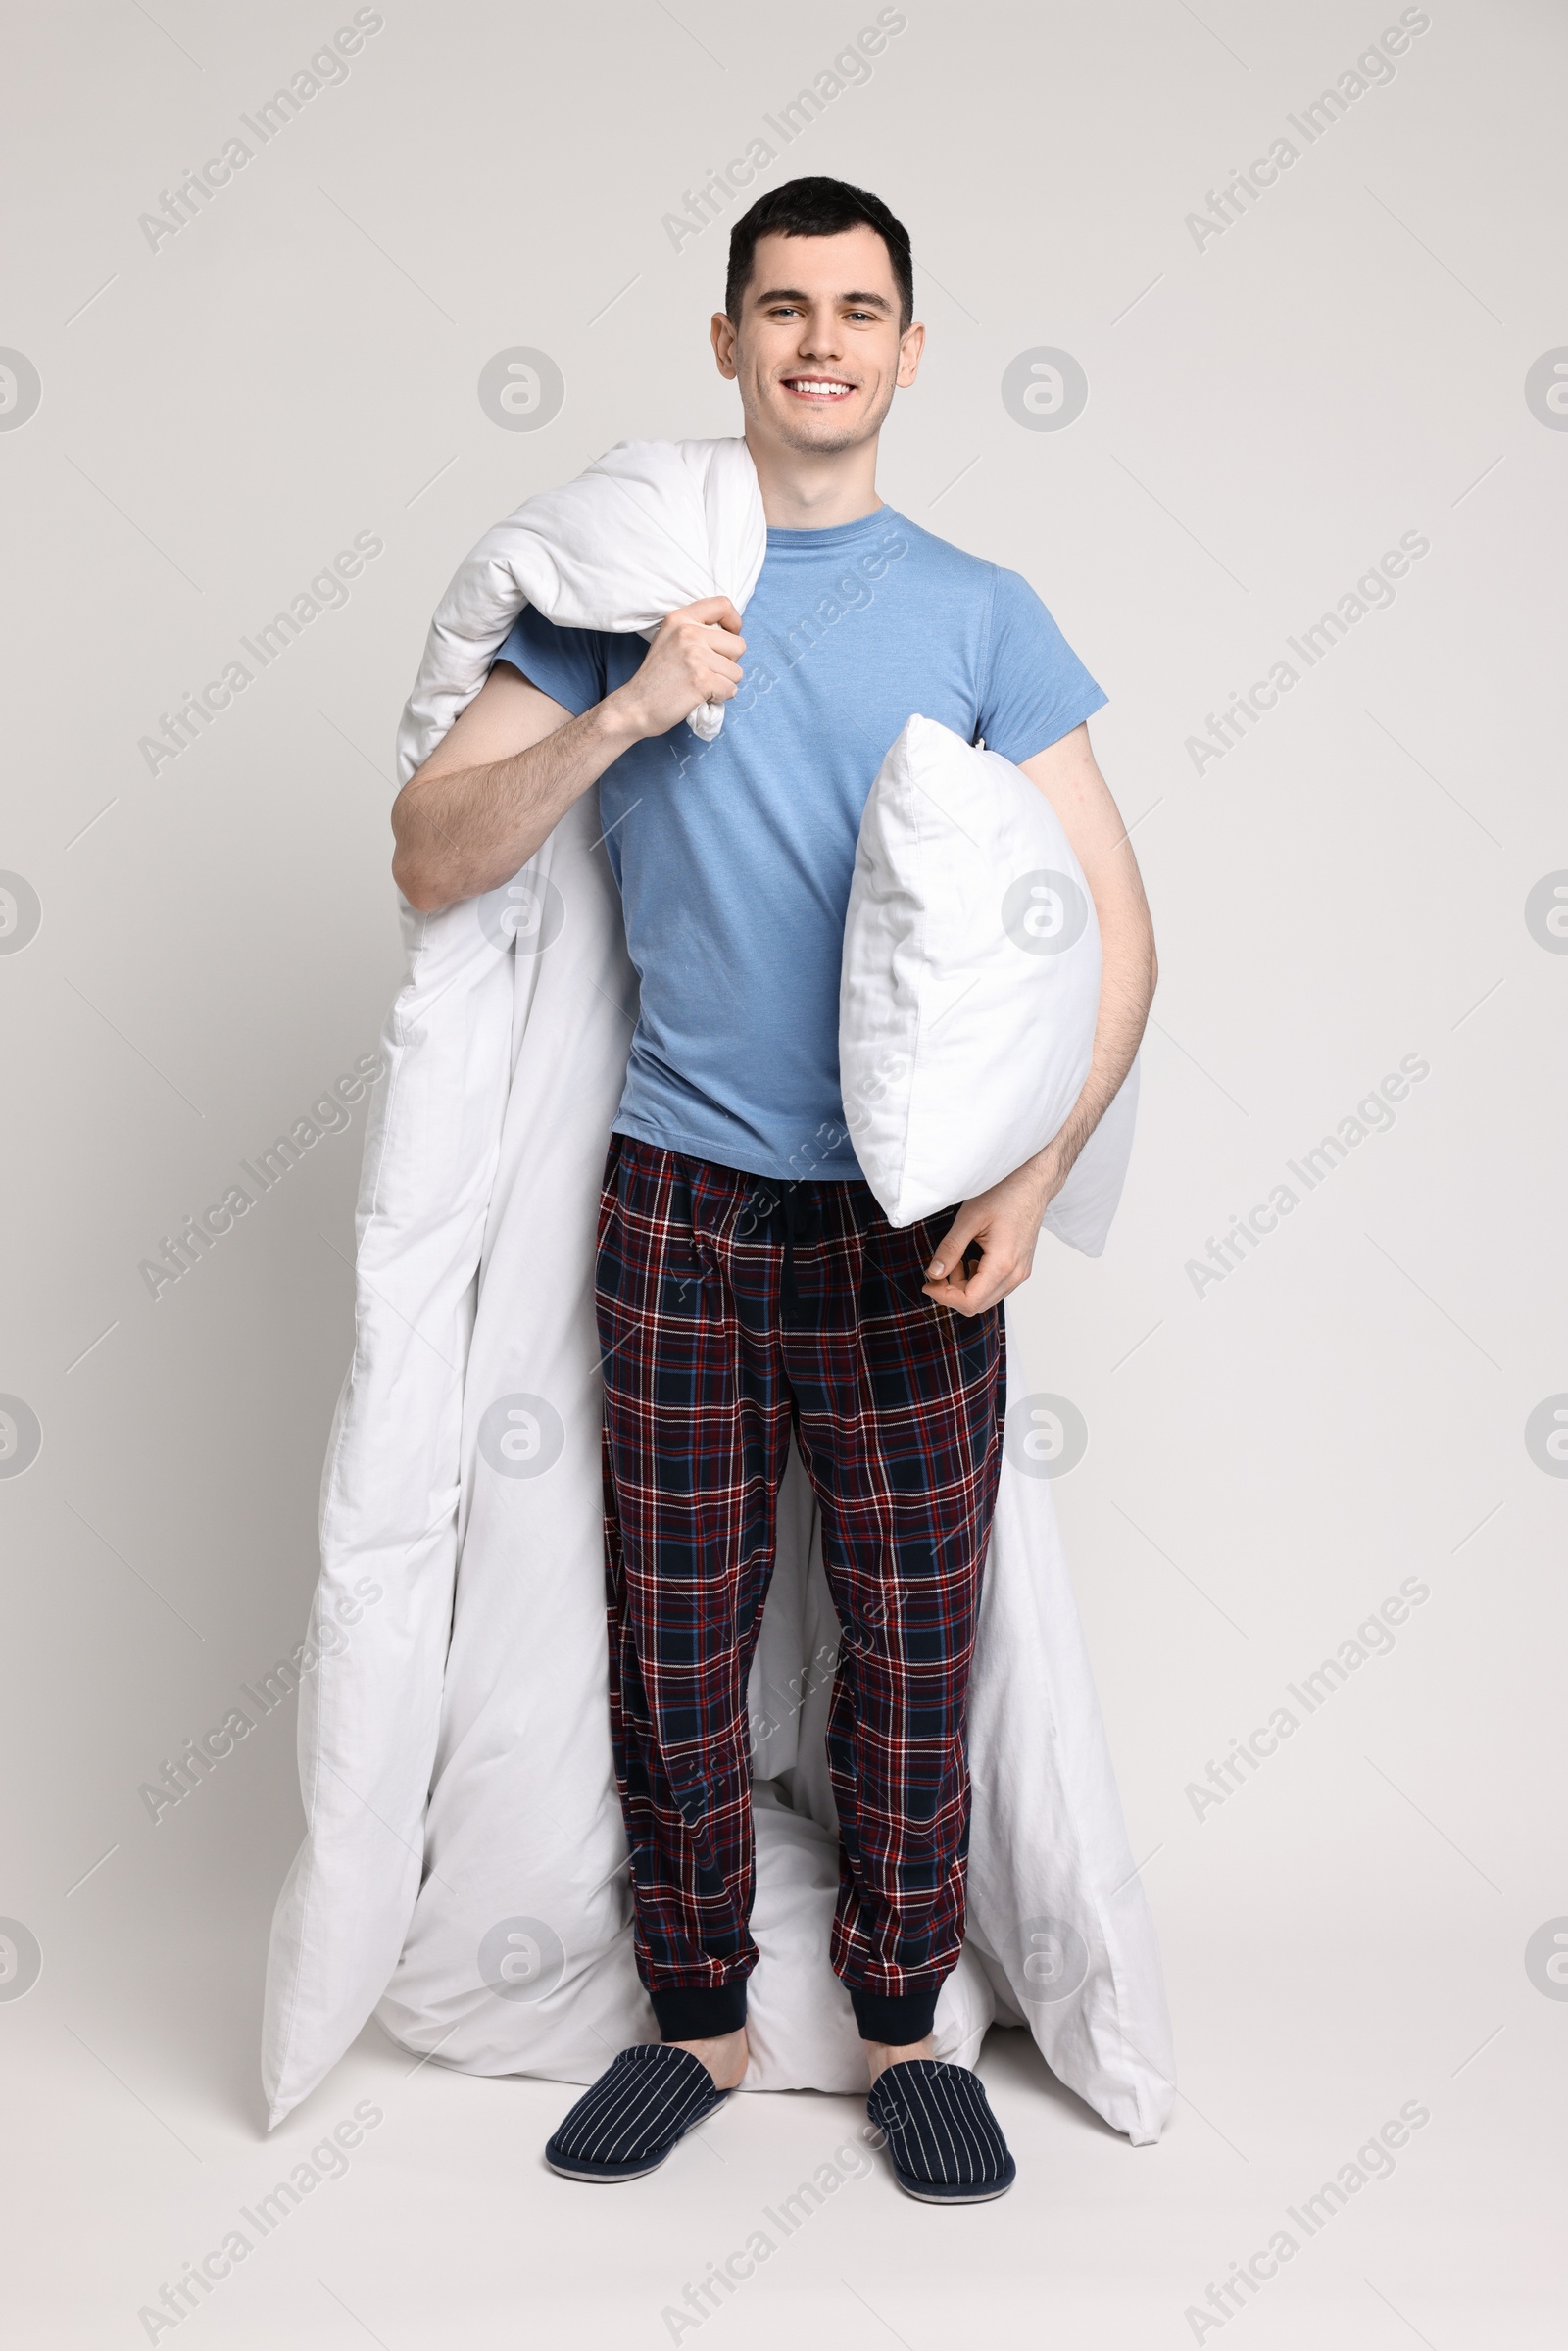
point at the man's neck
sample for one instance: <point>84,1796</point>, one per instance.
<point>803,491</point>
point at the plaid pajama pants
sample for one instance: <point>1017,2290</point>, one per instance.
<point>731,1313</point>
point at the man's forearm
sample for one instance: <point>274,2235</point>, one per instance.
<point>467,831</point>
<point>1003,1222</point>
<point>468,819</point>
<point>1069,776</point>
<point>1129,972</point>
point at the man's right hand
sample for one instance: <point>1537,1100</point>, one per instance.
<point>695,658</point>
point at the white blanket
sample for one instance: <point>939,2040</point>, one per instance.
<point>463,1872</point>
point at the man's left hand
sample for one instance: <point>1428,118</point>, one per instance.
<point>1003,1225</point>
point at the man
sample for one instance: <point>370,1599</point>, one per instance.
<point>748,1289</point>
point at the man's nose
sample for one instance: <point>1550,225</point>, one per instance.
<point>820,339</point>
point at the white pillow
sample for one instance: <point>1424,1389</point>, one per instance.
<point>1082,1211</point>
<point>970,986</point>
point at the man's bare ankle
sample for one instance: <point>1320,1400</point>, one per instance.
<point>726,2057</point>
<point>880,2054</point>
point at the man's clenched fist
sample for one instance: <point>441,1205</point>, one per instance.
<point>695,658</point>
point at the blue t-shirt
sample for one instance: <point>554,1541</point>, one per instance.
<point>734,857</point>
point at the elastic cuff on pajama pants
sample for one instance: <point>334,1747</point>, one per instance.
<point>895,2018</point>
<point>702,2013</point>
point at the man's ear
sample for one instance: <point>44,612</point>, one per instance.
<point>912,343</point>
<point>723,334</point>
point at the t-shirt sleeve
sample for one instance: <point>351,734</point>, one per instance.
<point>567,664</point>
<point>1036,689</point>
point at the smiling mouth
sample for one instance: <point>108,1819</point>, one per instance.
<point>823,388</point>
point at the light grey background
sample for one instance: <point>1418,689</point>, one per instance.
<point>1266,414</point>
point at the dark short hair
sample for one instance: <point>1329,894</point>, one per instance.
<point>817,208</point>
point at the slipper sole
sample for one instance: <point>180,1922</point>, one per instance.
<point>928,2193</point>
<point>610,2174</point>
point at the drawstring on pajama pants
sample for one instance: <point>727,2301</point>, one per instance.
<point>788,1214</point>
<point>788,1302</point>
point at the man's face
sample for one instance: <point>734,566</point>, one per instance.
<point>818,354</point>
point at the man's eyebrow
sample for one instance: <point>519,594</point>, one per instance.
<point>864,302</point>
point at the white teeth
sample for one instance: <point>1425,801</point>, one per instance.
<point>807,383</point>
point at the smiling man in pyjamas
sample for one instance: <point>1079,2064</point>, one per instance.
<point>750,1291</point>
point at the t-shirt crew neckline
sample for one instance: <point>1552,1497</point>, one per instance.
<point>834,534</point>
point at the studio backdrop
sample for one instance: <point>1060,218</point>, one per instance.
<point>1248,346</point>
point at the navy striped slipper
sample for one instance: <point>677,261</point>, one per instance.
<point>647,2099</point>
<point>944,2144</point>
